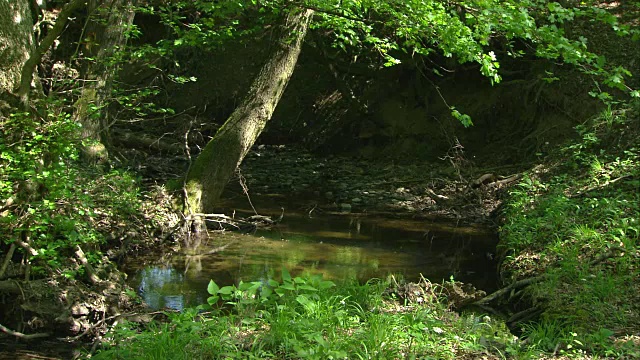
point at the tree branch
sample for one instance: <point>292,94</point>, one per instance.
<point>29,66</point>
<point>598,187</point>
<point>83,259</point>
<point>518,284</point>
<point>335,13</point>
<point>21,335</point>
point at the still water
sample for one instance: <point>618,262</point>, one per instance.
<point>346,247</point>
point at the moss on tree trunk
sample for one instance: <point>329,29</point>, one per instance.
<point>216,164</point>
<point>16,42</point>
<point>109,21</point>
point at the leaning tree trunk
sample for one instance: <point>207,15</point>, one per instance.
<point>108,22</point>
<point>216,164</point>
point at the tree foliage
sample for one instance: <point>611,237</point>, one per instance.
<point>470,31</point>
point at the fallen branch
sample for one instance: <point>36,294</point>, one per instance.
<point>506,180</point>
<point>21,335</point>
<point>515,285</point>
<point>609,254</point>
<point>598,187</point>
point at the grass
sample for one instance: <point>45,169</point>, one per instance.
<point>577,220</point>
<point>309,318</point>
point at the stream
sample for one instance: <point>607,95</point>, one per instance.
<point>342,247</point>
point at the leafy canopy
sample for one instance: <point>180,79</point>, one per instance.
<point>467,30</point>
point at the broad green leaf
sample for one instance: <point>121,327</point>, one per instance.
<point>226,290</point>
<point>213,288</point>
<point>285,275</point>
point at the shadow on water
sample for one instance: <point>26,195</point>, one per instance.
<point>345,247</point>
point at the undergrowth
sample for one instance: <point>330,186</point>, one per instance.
<point>306,317</point>
<point>577,221</point>
<point>55,211</point>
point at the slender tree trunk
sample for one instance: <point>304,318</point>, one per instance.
<point>108,23</point>
<point>216,164</point>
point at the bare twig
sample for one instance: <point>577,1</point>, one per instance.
<point>245,189</point>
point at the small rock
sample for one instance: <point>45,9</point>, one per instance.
<point>356,200</point>
<point>345,207</point>
<point>328,195</point>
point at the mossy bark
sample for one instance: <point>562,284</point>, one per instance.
<point>16,42</point>
<point>108,22</point>
<point>216,164</point>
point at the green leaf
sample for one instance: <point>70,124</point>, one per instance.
<point>266,292</point>
<point>288,286</point>
<point>326,284</point>
<point>213,288</point>
<point>285,275</point>
<point>307,287</point>
<point>303,300</point>
<point>226,290</point>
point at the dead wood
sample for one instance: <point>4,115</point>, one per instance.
<point>506,180</point>
<point>598,187</point>
<point>21,335</point>
<point>504,291</point>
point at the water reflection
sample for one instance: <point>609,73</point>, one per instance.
<point>338,247</point>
